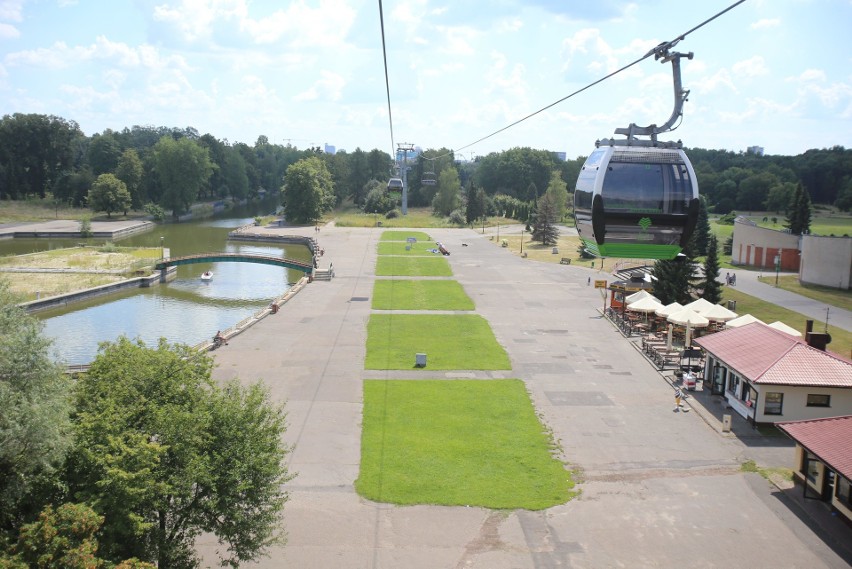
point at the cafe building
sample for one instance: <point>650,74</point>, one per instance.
<point>768,376</point>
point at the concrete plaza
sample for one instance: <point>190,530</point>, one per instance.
<point>658,488</point>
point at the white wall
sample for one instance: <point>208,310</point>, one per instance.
<point>827,261</point>
<point>795,406</point>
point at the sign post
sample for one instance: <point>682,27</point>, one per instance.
<point>602,286</point>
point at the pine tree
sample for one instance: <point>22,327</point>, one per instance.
<point>676,277</point>
<point>544,227</point>
<point>799,212</point>
<point>702,228</point>
<point>712,288</point>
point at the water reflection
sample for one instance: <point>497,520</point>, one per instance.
<point>186,310</point>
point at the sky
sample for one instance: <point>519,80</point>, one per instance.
<point>769,73</point>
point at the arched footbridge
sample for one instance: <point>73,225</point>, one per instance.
<point>303,266</point>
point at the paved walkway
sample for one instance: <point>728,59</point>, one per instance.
<point>659,489</point>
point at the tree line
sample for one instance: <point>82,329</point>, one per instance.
<point>47,156</point>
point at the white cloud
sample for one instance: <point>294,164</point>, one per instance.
<point>8,32</point>
<point>766,23</point>
<point>12,10</point>
<point>60,56</point>
<point>710,83</point>
<point>753,67</point>
<point>328,88</point>
<point>809,76</point>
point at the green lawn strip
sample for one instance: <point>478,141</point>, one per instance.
<point>831,296</point>
<point>403,235</point>
<point>457,442</point>
<point>420,248</point>
<point>463,341</point>
<point>841,340</point>
<point>390,266</point>
<point>420,295</point>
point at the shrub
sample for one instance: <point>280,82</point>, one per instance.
<point>155,211</point>
<point>727,219</point>
<point>393,214</point>
<point>457,217</point>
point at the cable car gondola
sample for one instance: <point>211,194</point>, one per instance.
<point>638,199</point>
<point>635,202</point>
<point>428,179</point>
<point>395,185</point>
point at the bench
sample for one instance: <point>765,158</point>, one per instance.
<point>565,261</point>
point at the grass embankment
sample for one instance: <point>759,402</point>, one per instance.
<point>417,217</point>
<point>841,340</point>
<point>459,442</point>
<point>15,211</point>
<point>462,341</point>
<point>831,296</point>
<point>420,295</point>
<point>77,266</point>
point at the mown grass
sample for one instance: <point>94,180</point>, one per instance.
<point>420,295</point>
<point>457,442</point>
<point>827,295</point>
<point>841,340</point>
<point>566,247</point>
<point>390,266</point>
<point>32,286</point>
<point>403,235</point>
<point>462,341</point>
<point>420,248</point>
<point>417,217</point>
<point>107,257</point>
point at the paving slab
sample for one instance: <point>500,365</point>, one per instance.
<point>657,488</point>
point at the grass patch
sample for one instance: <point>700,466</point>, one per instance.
<point>421,248</point>
<point>778,472</point>
<point>841,340</point>
<point>463,341</point>
<point>32,286</point>
<point>403,235</point>
<point>417,217</point>
<point>420,295</point>
<point>389,266</point>
<point>827,295</point>
<point>455,443</point>
<point>566,247</point>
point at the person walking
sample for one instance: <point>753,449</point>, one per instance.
<point>678,397</point>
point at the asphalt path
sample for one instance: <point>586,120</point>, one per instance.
<point>658,488</point>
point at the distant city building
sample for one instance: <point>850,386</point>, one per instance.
<point>329,149</point>
<point>561,156</point>
<point>756,150</point>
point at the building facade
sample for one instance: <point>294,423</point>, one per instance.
<point>758,246</point>
<point>767,376</point>
<point>827,261</point>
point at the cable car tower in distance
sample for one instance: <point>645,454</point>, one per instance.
<point>638,198</point>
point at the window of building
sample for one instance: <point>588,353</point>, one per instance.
<point>819,400</point>
<point>811,471</point>
<point>844,491</point>
<point>733,382</point>
<point>773,403</point>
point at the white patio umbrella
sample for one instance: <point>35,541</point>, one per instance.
<point>669,338</point>
<point>670,309</point>
<point>687,316</point>
<point>742,321</point>
<point>646,305</point>
<point>639,296</point>
<point>700,306</point>
<point>719,314</point>
<point>778,325</point>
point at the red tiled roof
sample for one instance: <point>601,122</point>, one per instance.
<point>764,355</point>
<point>826,438</point>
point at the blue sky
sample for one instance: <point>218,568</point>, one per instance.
<point>776,74</point>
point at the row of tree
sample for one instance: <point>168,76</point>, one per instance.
<point>130,462</point>
<point>44,155</point>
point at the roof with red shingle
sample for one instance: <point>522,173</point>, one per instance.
<point>764,355</point>
<point>826,438</point>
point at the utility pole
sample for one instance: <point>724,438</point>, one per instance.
<point>405,148</point>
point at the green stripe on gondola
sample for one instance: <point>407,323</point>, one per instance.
<point>632,250</point>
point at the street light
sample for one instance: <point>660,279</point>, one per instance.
<point>162,249</point>
<point>522,242</point>
<point>777,267</point>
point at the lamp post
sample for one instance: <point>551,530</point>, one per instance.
<point>777,267</point>
<point>162,249</point>
<point>498,232</point>
<point>522,242</point>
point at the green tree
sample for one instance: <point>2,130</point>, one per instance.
<point>557,189</point>
<point>109,194</point>
<point>475,204</point>
<point>711,287</point>
<point>233,176</point>
<point>799,212</point>
<point>164,454</point>
<point>378,200</point>
<point>544,228</point>
<point>448,197</point>
<point>104,153</point>
<point>182,167</point>
<point>359,175</point>
<point>779,196</point>
<point>34,411</point>
<point>702,227</point>
<point>676,277</point>
<point>129,171</point>
<point>308,191</point>
<point>844,197</point>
